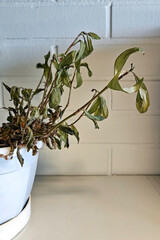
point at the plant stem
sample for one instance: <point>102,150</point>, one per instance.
<point>37,86</point>
<point>69,95</point>
<point>73,43</point>
<point>45,88</point>
<point>43,104</point>
<point>77,111</point>
<point>88,103</point>
<point>81,114</point>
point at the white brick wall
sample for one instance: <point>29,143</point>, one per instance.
<point>127,142</point>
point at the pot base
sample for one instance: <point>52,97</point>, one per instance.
<point>11,228</point>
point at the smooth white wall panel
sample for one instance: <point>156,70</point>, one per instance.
<point>137,159</point>
<point>136,21</point>
<point>42,21</point>
<point>79,159</point>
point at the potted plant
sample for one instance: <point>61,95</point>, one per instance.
<point>28,127</point>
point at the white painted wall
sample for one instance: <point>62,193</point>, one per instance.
<point>127,142</point>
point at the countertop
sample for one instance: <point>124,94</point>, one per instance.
<point>94,208</point>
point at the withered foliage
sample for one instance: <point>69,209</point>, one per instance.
<point>26,124</point>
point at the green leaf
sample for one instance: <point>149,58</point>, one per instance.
<point>94,106</point>
<point>7,87</point>
<point>76,133</point>
<point>64,138</point>
<point>94,118</point>
<point>30,138</point>
<point>19,156</point>
<point>65,78</point>
<point>38,91</point>
<point>26,93</point>
<point>81,51</point>
<point>35,113</point>
<point>67,60</point>
<point>46,57</point>
<point>93,35</point>
<point>55,64</point>
<point>40,65</point>
<point>66,129</point>
<point>58,142</point>
<point>99,107</point>
<point>114,83</point>
<point>134,88</point>
<point>15,95</point>
<point>90,46</point>
<point>79,79</point>
<point>48,74</point>
<point>103,107</point>
<point>122,58</point>
<point>86,65</point>
<point>49,144</point>
<point>55,98</point>
<point>142,99</point>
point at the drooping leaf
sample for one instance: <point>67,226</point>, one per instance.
<point>67,60</point>
<point>55,98</point>
<point>55,64</point>
<point>38,91</point>
<point>49,144</point>
<point>58,142</point>
<point>103,107</point>
<point>66,129</point>
<point>134,88</point>
<point>86,65</point>
<point>64,138</point>
<point>65,78</point>
<point>26,93</point>
<point>94,118</point>
<point>19,156</point>
<point>15,95</point>
<point>76,133</point>
<point>122,58</point>
<point>142,99</point>
<point>79,79</point>
<point>93,35</point>
<point>90,46</point>
<point>48,74</point>
<point>30,138</point>
<point>81,51</point>
<point>99,107</point>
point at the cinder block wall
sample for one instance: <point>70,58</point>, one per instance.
<point>127,142</point>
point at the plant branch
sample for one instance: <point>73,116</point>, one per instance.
<point>37,86</point>
<point>89,102</point>
<point>73,43</point>
<point>69,95</point>
<point>45,88</point>
<point>82,113</point>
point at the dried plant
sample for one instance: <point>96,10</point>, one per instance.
<point>26,124</point>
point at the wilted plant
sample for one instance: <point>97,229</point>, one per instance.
<point>28,124</point>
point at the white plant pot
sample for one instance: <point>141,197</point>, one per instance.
<point>10,229</point>
<point>15,183</point>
